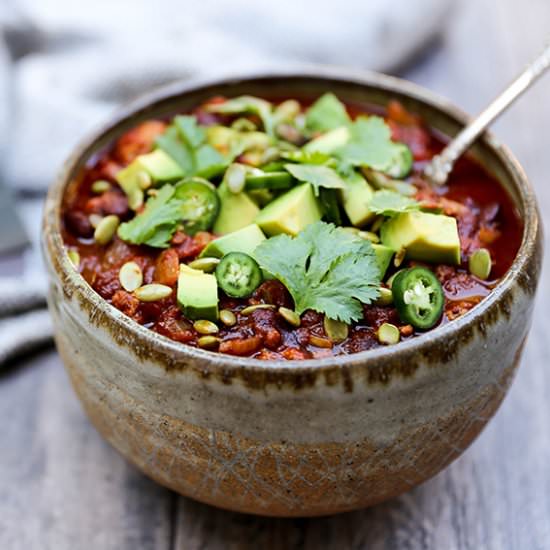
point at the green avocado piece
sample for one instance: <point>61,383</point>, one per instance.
<point>158,165</point>
<point>244,240</point>
<point>237,210</point>
<point>197,294</point>
<point>356,198</point>
<point>425,237</point>
<point>328,142</point>
<point>290,212</point>
<point>383,257</point>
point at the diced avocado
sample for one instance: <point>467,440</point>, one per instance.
<point>290,212</point>
<point>356,198</point>
<point>237,210</point>
<point>244,240</point>
<point>197,294</point>
<point>158,165</point>
<point>425,237</point>
<point>383,256</point>
<point>328,142</point>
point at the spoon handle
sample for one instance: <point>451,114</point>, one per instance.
<point>441,165</point>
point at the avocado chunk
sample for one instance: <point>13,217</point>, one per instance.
<point>290,212</point>
<point>197,294</point>
<point>356,198</point>
<point>425,237</point>
<point>383,257</point>
<point>244,240</point>
<point>237,210</point>
<point>328,142</point>
<point>157,165</point>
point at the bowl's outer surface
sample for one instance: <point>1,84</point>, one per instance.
<point>296,438</point>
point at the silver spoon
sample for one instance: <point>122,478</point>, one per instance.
<point>441,165</point>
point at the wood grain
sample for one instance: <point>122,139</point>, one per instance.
<point>62,487</point>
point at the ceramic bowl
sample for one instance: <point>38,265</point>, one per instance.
<point>298,438</point>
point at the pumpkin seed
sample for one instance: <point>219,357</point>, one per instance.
<point>385,297</point>
<point>250,309</point>
<point>95,220</point>
<point>100,186</point>
<point>369,236</point>
<point>130,276</point>
<point>228,318</point>
<point>106,229</point>
<point>399,256</point>
<point>319,341</point>
<point>290,316</point>
<point>74,257</point>
<point>206,264</point>
<point>337,331</point>
<point>152,292</point>
<point>391,279</point>
<point>144,179</point>
<point>208,342</point>
<point>480,264</point>
<point>135,198</point>
<point>202,326</point>
<point>377,224</point>
<point>388,334</point>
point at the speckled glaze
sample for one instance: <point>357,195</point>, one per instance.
<point>297,438</point>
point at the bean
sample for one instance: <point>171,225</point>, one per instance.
<point>202,326</point>
<point>228,318</point>
<point>106,229</point>
<point>100,186</point>
<point>290,316</point>
<point>337,331</point>
<point>388,334</point>
<point>152,292</point>
<point>480,264</point>
<point>130,276</point>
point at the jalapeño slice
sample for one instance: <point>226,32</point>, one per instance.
<point>418,297</point>
<point>200,204</point>
<point>238,274</point>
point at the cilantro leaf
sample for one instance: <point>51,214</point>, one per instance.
<point>371,145</point>
<point>318,175</point>
<point>157,223</point>
<point>185,142</point>
<point>326,113</point>
<point>247,104</point>
<point>324,269</point>
<point>390,203</point>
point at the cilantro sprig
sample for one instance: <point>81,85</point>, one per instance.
<point>325,269</point>
<point>316,174</point>
<point>157,223</point>
<point>327,113</point>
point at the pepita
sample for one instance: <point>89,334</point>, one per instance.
<point>100,186</point>
<point>385,297</point>
<point>95,220</point>
<point>106,229</point>
<point>250,309</point>
<point>337,331</point>
<point>290,316</point>
<point>130,276</point>
<point>399,256</point>
<point>144,180</point>
<point>480,264</point>
<point>228,318</point>
<point>208,342</point>
<point>319,341</point>
<point>74,257</point>
<point>203,326</point>
<point>206,264</point>
<point>388,334</point>
<point>235,177</point>
<point>152,292</point>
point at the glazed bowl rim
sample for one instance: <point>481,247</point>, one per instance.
<point>179,352</point>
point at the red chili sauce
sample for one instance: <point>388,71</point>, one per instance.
<point>485,214</point>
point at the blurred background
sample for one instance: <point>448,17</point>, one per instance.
<point>64,67</point>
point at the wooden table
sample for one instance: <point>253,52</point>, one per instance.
<point>62,487</point>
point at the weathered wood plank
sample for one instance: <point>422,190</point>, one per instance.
<point>61,486</point>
